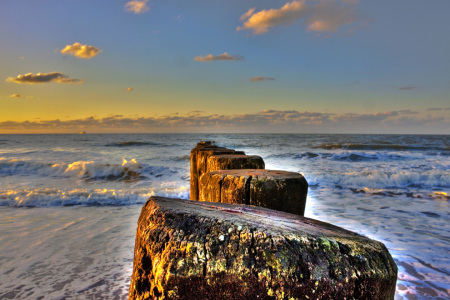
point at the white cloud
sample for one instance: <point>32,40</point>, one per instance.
<point>137,6</point>
<point>30,78</point>
<point>81,51</point>
<point>320,16</point>
<point>223,56</point>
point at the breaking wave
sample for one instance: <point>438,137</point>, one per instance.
<point>379,179</point>
<point>86,170</point>
<point>351,156</point>
<point>85,197</point>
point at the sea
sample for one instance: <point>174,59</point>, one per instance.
<point>69,204</point>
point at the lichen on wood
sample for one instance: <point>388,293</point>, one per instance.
<point>280,190</point>
<point>202,250</point>
<point>199,162</point>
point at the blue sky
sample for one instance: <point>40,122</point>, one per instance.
<point>336,66</point>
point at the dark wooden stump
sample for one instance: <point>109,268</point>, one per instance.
<point>199,159</point>
<point>279,190</point>
<point>200,250</point>
<point>234,161</point>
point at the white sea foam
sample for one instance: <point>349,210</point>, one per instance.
<point>86,197</point>
<point>400,179</point>
<point>81,169</point>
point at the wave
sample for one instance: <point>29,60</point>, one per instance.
<point>378,179</point>
<point>86,170</point>
<point>180,158</point>
<point>355,157</point>
<point>352,156</point>
<point>283,155</point>
<point>398,192</point>
<point>132,143</point>
<point>85,197</point>
<point>382,146</point>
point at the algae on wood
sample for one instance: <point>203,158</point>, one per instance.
<point>199,161</point>
<point>202,250</point>
<point>234,161</point>
<point>280,190</point>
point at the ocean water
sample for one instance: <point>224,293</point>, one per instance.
<point>69,204</point>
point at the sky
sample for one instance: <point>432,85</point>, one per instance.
<point>301,66</point>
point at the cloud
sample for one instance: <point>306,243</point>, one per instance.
<point>439,123</point>
<point>195,112</point>
<point>191,119</point>
<point>260,78</point>
<point>329,16</point>
<point>247,14</point>
<point>408,112</point>
<point>264,121</point>
<point>406,88</point>
<point>43,78</point>
<point>137,6</point>
<point>179,18</point>
<point>322,16</point>
<point>434,109</point>
<point>358,118</point>
<point>223,56</point>
<point>81,51</point>
<point>260,21</point>
<point>18,96</point>
<point>129,89</point>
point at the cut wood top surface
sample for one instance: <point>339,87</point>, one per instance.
<point>275,174</point>
<point>271,221</point>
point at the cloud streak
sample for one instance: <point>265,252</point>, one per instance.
<point>223,56</point>
<point>81,51</point>
<point>408,112</point>
<point>321,16</point>
<point>137,6</point>
<point>260,78</point>
<point>285,120</point>
<point>39,78</point>
<point>406,88</point>
<point>14,96</point>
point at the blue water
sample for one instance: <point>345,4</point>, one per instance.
<point>69,203</point>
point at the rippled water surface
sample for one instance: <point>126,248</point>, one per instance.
<point>69,203</point>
